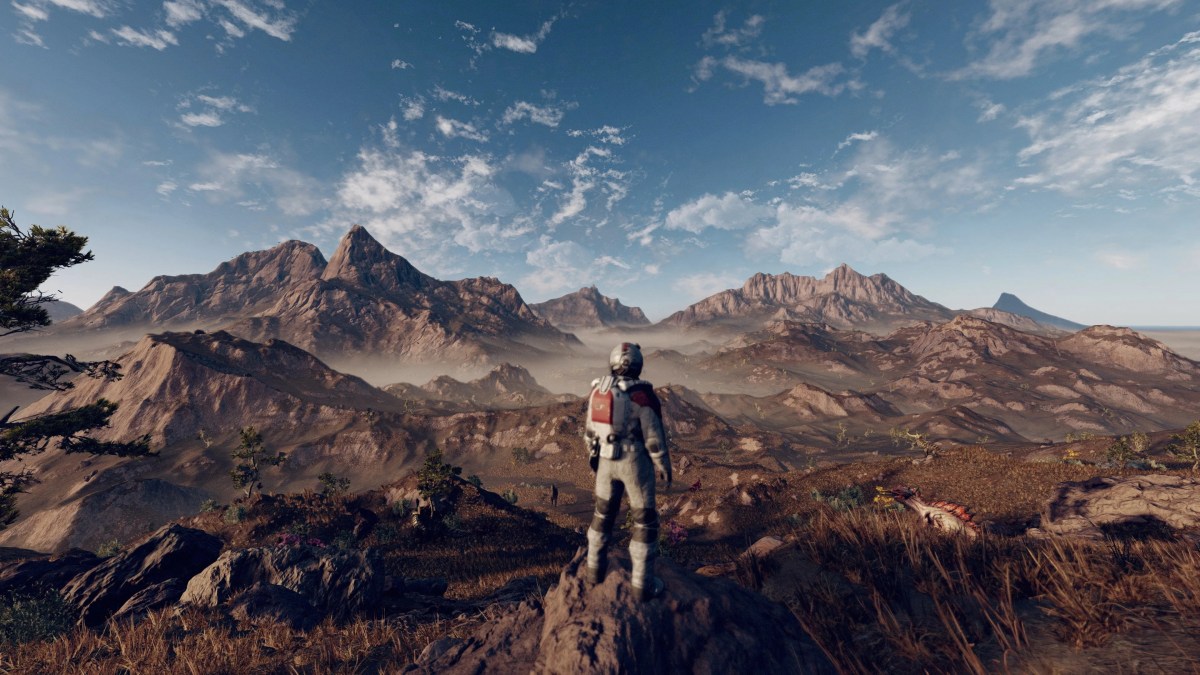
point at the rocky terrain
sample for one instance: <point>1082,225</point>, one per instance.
<point>365,300</point>
<point>587,308</point>
<point>505,386</point>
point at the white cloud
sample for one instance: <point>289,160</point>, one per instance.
<point>443,94</point>
<point>1119,260</point>
<point>1020,35</point>
<point>587,177</point>
<point>96,8</point>
<point>527,44</point>
<point>860,137</point>
<point>399,64</point>
<point>558,266</point>
<point>204,110</point>
<point>455,129</point>
<point>412,108</point>
<point>609,135</point>
<point>429,205</point>
<point>166,187</point>
<point>989,111</point>
<point>276,22</point>
<point>31,12</point>
<point>182,12</point>
<point>27,36</point>
<point>235,176</point>
<point>727,212</point>
<point>546,115</point>
<point>779,86</point>
<point>719,35</point>
<point>879,34</point>
<point>1138,127</point>
<point>131,37</point>
<point>703,284</point>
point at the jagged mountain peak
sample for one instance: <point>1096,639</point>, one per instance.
<point>589,308</point>
<point>362,261</point>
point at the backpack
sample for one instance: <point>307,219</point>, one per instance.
<point>608,409</point>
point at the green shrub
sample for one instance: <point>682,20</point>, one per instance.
<point>1186,445</point>
<point>475,480</point>
<point>209,505</point>
<point>332,485</point>
<point>402,508</point>
<point>522,456</point>
<point>843,500</point>
<point>109,548</point>
<point>510,496</point>
<point>40,614</point>
<point>235,514</point>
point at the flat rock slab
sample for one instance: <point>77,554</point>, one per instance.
<point>1085,508</point>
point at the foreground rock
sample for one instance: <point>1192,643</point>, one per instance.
<point>337,584</point>
<point>53,573</point>
<point>699,625</point>
<point>1087,508</point>
<point>174,552</point>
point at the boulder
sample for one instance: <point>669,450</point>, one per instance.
<point>148,599</point>
<point>174,552</point>
<point>48,572</point>
<point>1087,508</point>
<point>699,625</point>
<point>337,583</point>
<point>271,603</point>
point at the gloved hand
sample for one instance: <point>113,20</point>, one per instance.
<point>663,464</point>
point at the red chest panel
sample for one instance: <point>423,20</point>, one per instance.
<point>602,407</point>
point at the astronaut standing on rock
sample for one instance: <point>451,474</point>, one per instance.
<point>625,436</point>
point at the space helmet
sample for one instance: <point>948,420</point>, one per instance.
<point>626,359</point>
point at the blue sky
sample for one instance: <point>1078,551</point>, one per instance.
<point>663,151</point>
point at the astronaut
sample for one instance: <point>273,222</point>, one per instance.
<point>625,436</point>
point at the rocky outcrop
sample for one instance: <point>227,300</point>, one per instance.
<point>334,583</point>
<point>699,626</point>
<point>52,572</point>
<point>174,552</point>
<point>1128,350</point>
<point>1089,508</point>
<point>587,308</point>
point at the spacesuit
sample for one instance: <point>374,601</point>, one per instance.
<point>625,436</point>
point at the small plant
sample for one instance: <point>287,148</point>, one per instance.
<point>1072,456</point>
<point>452,522</point>
<point>1186,445</point>
<point>884,501</point>
<point>209,505</point>
<point>402,508</point>
<point>332,485</point>
<point>521,456</point>
<point>1127,449</point>
<point>252,455</point>
<point>510,496</point>
<point>843,500</point>
<point>344,541</point>
<point>915,440</point>
<point>387,533</point>
<point>40,615</point>
<point>109,548</point>
<point>235,514</point>
<point>475,480</point>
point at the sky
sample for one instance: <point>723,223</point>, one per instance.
<point>661,151</point>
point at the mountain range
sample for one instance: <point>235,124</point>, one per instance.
<point>588,308</point>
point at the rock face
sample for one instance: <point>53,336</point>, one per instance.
<point>1086,508</point>
<point>1010,303</point>
<point>52,572</point>
<point>699,626</point>
<point>588,308</point>
<point>843,298</point>
<point>338,584</point>
<point>365,300</point>
<point>174,552</point>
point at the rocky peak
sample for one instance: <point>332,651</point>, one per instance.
<point>589,308</point>
<point>362,261</point>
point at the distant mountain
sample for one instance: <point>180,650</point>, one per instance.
<point>843,299</point>
<point>1011,303</point>
<point>588,308</point>
<point>60,310</point>
<point>364,300</point>
<point>506,386</point>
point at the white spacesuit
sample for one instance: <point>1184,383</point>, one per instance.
<point>624,433</point>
